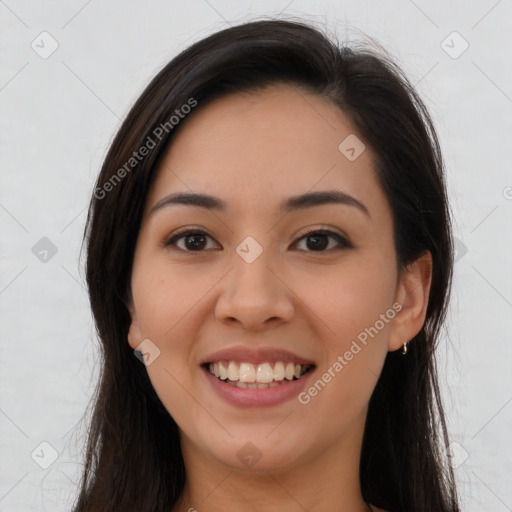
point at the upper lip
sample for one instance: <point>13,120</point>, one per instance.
<point>255,355</point>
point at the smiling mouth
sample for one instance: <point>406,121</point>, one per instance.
<point>257,376</point>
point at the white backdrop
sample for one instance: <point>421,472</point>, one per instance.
<point>70,71</point>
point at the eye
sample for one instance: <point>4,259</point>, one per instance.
<point>318,240</point>
<point>195,240</point>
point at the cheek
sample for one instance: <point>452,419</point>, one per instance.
<point>346,300</point>
<point>163,305</point>
<point>355,308</point>
<point>165,295</point>
<point>168,300</point>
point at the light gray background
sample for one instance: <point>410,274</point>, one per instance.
<point>58,116</point>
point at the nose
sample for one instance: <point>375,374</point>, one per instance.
<point>255,295</point>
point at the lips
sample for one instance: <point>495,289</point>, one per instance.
<point>252,377</point>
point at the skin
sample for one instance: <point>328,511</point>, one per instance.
<point>253,151</point>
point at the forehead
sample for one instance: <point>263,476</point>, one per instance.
<point>254,149</point>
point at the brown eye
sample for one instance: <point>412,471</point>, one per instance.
<point>318,240</point>
<point>193,240</point>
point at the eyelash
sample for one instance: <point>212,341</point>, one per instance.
<point>343,242</point>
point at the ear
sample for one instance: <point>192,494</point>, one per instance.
<point>134,333</point>
<point>412,294</point>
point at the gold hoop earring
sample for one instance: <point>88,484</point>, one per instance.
<point>404,348</point>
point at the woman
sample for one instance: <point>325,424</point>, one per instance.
<point>270,237</point>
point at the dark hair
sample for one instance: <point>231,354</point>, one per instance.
<point>133,458</point>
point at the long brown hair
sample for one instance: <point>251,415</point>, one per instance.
<point>133,460</point>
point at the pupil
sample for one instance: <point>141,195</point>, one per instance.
<point>195,245</point>
<point>320,242</point>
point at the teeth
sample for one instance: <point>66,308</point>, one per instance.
<point>289,371</point>
<point>248,375</point>
<point>265,374</point>
<point>223,371</point>
<point>279,371</point>
<point>233,373</point>
<point>256,385</point>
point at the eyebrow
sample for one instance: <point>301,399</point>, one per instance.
<point>293,203</point>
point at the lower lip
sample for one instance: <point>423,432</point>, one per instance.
<point>268,397</point>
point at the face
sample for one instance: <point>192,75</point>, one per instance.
<point>249,291</point>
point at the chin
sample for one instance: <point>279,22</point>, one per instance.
<point>257,453</point>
